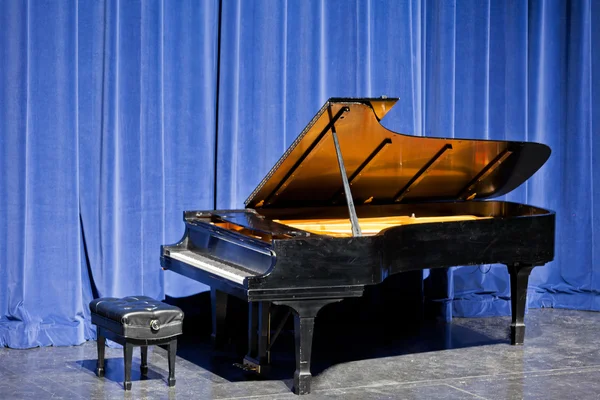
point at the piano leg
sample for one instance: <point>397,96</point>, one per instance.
<point>218,302</point>
<point>519,277</point>
<point>303,332</point>
<point>258,357</point>
<point>305,313</point>
<point>264,330</point>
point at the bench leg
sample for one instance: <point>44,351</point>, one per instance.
<point>144,366</point>
<point>128,356</point>
<point>172,346</point>
<point>100,342</point>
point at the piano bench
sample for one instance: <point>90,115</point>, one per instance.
<point>136,321</point>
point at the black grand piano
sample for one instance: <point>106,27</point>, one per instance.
<point>351,203</point>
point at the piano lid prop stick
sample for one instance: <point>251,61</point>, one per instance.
<point>356,173</point>
<point>353,218</point>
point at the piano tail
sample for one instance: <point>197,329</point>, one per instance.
<point>519,278</point>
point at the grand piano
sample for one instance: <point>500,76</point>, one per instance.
<point>351,203</point>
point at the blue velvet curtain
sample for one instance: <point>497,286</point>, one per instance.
<point>107,133</point>
<point>508,70</point>
<point>117,116</point>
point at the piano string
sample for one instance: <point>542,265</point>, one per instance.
<point>369,226</point>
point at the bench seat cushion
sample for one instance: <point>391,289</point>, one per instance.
<point>138,317</point>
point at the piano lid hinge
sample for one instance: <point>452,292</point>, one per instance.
<point>421,173</point>
<point>466,193</point>
<point>350,202</point>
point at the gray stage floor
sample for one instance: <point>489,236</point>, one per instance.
<point>467,359</point>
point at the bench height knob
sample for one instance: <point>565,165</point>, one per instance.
<point>154,325</point>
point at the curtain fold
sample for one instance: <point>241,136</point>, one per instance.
<point>504,70</point>
<point>43,294</point>
<point>150,155</point>
<point>107,134</point>
<point>115,117</point>
<point>593,72</point>
<point>281,60</point>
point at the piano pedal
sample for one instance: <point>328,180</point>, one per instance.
<point>246,368</point>
<point>253,367</point>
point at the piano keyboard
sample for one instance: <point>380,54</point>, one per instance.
<point>211,265</point>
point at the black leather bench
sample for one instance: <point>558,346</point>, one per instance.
<point>136,321</point>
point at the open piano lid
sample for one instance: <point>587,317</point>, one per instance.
<point>385,167</point>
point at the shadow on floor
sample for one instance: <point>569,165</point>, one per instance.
<point>353,329</point>
<point>114,370</point>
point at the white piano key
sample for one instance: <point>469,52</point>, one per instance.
<point>226,271</point>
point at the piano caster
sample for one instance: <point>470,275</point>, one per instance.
<point>302,382</point>
<point>517,334</point>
